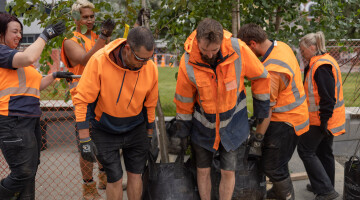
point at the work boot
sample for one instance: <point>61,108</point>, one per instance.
<point>329,196</point>
<point>6,194</point>
<point>102,180</point>
<point>281,190</point>
<point>90,192</point>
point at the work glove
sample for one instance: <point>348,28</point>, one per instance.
<point>142,12</point>
<point>53,30</point>
<point>107,27</point>
<point>153,149</point>
<point>255,143</point>
<point>66,75</point>
<point>323,128</point>
<point>88,149</point>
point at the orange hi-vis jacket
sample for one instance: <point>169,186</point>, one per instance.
<point>20,92</point>
<point>121,99</point>
<point>212,106</point>
<point>291,106</point>
<point>336,123</point>
<point>78,69</point>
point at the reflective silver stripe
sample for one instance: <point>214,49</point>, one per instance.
<point>202,119</point>
<point>81,41</point>
<point>21,77</point>
<point>184,99</point>
<point>338,129</point>
<point>298,100</point>
<point>238,64</point>
<point>239,108</point>
<point>73,85</point>
<point>183,117</point>
<point>261,97</point>
<point>263,75</point>
<point>22,86</point>
<point>291,106</point>
<point>302,126</point>
<point>312,106</point>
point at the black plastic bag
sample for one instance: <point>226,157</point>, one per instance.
<point>169,181</point>
<point>352,179</point>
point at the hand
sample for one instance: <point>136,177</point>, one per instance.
<point>256,143</point>
<point>52,31</point>
<point>142,12</point>
<point>88,149</point>
<point>107,28</point>
<point>324,129</point>
<point>66,75</point>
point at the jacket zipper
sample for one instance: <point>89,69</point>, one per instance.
<point>122,83</point>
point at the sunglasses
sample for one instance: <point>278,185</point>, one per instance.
<point>138,58</point>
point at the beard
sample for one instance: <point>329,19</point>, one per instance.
<point>210,61</point>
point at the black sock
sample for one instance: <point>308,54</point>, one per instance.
<point>88,180</point>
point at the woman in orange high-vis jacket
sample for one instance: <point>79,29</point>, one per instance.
<point>20,85</point>
<point>323,87</point>
<point>75,53</point>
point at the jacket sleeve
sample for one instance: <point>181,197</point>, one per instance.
<point>151,101</point>
<point>184,100</point>
<point>87,91</point>
<point>325,82</point>
<point>260,82</point>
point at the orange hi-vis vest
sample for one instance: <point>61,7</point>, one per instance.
<point>213,105</point>
<point>291,106</point>
<point>336,123</point>
<point>20,92</point>
<point>78,69</point>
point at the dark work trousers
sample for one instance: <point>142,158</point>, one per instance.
<point>20,143</point>
<point>280,142</point>
<point>315,150</point>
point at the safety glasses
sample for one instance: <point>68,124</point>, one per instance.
<point>138,58</point>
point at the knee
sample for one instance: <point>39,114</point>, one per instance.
<point>133,176</point>
<point>227,174</point>
<point>203,172</point>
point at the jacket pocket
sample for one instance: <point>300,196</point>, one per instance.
<point>205,91</point>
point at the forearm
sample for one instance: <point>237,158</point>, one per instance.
<point>46,81</point>
<point>100,43</point>
<point>84,133</point>
<point>30,55</point>
<point>262,127</point>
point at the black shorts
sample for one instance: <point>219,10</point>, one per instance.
<point>204,157</point>
<point>134,145</point>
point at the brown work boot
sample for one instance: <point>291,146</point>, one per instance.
<point>90,192</point>
<point>102,180</point>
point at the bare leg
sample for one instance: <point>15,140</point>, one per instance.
<point>114,190</point>
<point>227,184</point>
<point>134,186</point>
<point>86,169</point>
<point>204,183</point>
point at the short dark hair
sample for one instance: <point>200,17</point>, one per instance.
<point>211,30</point>
<point>141,36</point>
<point>5,19</point>
<point>253,32</point>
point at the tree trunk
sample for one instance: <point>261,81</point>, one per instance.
<point>234,20</point>
<point>277,19</point>
<point>160,125</point>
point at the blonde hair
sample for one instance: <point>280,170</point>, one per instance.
<point>81,4</point>
<point>317,39</point>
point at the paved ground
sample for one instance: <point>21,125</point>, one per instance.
<point>59,175</point>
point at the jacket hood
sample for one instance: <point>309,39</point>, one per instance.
<point>191,47</point>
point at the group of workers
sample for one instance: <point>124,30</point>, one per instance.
<point>116,96</point>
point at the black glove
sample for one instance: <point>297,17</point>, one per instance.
<point>324,129</point>
<point>153,149</point>
<point>184,143</point>
<point>52,31</point>
<point>255,143</point>
<point>107,28</point>
<point>66,75</point>
<point>88,149</point>
<point>142,12</point>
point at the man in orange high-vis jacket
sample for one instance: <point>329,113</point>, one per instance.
<point>210,100</point>
<point>121,84</point>
<point>324,91</point>
<point>75,53</point>
<point>289,116</point>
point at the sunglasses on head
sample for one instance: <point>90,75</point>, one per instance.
<point>138,58</point>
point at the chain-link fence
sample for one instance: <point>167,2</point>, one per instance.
<point>59,175</point>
